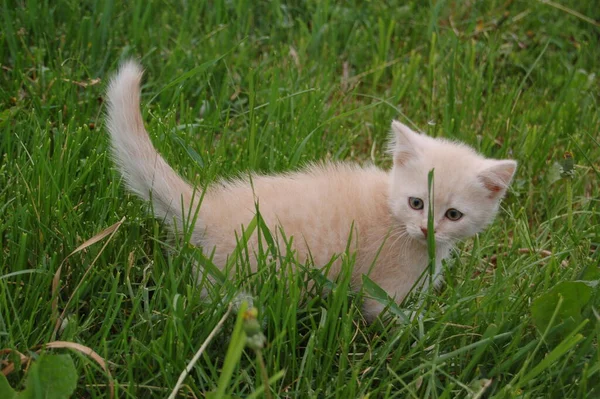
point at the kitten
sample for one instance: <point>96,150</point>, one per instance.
<point>319,205</point>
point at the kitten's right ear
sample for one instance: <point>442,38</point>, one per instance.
<point>403,143</point>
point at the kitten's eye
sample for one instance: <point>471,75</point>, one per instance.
<point>454,214</point>
<point>415,203</point>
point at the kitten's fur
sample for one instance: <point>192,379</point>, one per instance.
<point>319,205</point>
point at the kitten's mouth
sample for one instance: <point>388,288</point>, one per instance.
<point>421,239</point>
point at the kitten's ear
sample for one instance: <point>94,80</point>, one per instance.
<point>403,143</point>
<point>497,175</point>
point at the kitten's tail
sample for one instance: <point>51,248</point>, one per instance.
<point>145,171</point>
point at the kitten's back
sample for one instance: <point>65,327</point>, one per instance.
<point>318,206</point>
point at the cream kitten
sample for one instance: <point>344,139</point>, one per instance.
<point>320,205</point>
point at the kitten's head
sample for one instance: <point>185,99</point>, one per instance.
<point>467,187</point>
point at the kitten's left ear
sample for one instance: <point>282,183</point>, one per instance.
<point>497,175</point>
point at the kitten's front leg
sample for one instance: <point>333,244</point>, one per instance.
<point>398,287</point>
<point>371,309</point>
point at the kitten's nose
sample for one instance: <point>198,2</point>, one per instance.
<point>424,230</point>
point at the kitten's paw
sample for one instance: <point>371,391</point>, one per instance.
<point>371,309</point>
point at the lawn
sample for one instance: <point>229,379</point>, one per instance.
<point>233,86</point>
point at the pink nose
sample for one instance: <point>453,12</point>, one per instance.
<point>424,230</point>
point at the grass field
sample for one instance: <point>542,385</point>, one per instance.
<point>236,85</point>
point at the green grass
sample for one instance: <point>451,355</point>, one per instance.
<point>240,85</point>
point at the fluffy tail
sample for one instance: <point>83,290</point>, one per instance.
<point>145,171</point>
